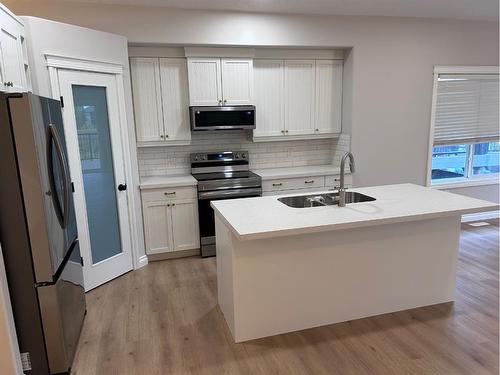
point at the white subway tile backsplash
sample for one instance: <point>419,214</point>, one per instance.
<point>158,161</point>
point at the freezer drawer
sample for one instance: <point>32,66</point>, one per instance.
<point>62,308</point>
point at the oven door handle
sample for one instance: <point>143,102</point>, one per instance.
<point>239,193</point>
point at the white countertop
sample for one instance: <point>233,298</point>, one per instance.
<point>167,181</point>
<point>265,217</point>
<point>305,171</point>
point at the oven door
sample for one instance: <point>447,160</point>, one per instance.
<point>206,214</point>
<point>222,118</point>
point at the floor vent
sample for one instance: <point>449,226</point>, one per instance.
<point>479,224</point>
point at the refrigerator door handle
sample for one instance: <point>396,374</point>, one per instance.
<point>62,213</point>
<point>61,267</point>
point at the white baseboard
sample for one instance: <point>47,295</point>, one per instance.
<point>143,260</point>
<point>480,216</point>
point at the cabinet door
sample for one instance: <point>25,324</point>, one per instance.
<point>158,227</point>
<point>185,224</point>
<point>328,96</point>
<point>174,94</point>
<point>145,73</point>
<point>299,97</point>
<point>205,86</point>
<point>268,82</point>
<point>13,69</point>
<point>237,81</point>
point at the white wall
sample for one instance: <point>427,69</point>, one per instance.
<point>73,41</point>
<point>392,64</point>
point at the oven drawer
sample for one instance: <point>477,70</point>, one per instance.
<point>184,192</point>
<point>294,183</point>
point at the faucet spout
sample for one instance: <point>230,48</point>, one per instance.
<point>352,168</point>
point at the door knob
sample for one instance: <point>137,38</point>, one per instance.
<point>122,187</point>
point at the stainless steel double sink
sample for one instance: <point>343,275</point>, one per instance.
<point>327,199</point>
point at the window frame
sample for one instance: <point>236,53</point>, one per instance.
<point>459,181</point>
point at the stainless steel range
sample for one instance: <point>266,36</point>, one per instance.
<point>220,175</point>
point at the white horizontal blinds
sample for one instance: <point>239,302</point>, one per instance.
<point>466,109</point>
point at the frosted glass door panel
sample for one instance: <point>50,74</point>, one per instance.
<point>92,122</point>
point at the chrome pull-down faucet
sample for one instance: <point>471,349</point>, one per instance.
<point>352,168</point>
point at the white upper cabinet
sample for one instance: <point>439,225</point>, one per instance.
<point>205,81</point>
<point>13,63</point>
<point>328,96</point>
<point>145,73</point>
<point>299,97</point>
<point>268,83</point>
<point>220,81</point>
<point>237,81</point>
<point>160,92</point>
<point>175,103</point>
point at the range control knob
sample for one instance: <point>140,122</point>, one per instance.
<point>196,158</point>
<point>236,156</point>
<point>204,157</point>
<point>244,156</point>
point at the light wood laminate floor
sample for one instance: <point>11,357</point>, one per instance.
<point>164,319</point>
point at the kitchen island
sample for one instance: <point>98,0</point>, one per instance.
<point>282,269</point>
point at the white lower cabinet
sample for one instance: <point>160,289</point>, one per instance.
<point>185,224</point>
<point>170,223</point>
<point>302,185</point>
<point>158,227</point>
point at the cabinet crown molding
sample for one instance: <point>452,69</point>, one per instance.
<point>219,52</point>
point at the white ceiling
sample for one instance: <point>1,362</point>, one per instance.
<point>460,9</point>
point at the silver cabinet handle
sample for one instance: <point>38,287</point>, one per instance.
<point>317,130</point>
<point>286,131</point>
<point>278,184</point>
<point>225,101</point>
<point>173,204</point>
<point>169,193</point>
<point>283,131</point>
<point>161,136</point>
<point>220,101</point>
<point>62,213</point>
<point>166,136</point>
<point>309,182</point>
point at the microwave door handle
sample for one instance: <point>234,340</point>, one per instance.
<point>62,213</point>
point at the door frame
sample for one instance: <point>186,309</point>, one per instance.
<point>57,62</point>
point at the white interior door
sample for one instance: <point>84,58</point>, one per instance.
<point>94,139</point>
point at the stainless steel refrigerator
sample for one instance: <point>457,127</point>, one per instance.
<point>38,233</point>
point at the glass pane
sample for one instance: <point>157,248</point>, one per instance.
<point>94,140</point>
<point>485,158</point>
<point>449,162</point>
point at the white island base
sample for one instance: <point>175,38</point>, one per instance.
<point>275,285</point>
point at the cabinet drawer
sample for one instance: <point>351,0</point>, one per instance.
<point>334,181</point>
<point>294,191</point>
<point>294,183</point>
<point>168,193</point>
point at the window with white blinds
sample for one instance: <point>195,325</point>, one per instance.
<point>466,109</point>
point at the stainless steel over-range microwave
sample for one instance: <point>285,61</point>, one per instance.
<point>222,118</point>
